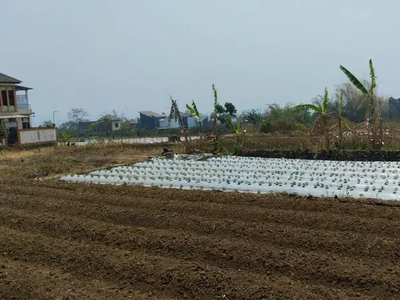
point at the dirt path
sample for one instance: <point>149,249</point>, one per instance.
<point>100,242</point>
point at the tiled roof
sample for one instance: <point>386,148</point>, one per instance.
<point>7,79</point>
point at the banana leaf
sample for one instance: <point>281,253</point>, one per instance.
<point>354,80</point>
<point>309,106</point>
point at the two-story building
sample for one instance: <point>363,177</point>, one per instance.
<point>15,115</point>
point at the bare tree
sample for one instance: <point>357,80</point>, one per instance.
<point>77,115</point>
<point>176,115</point>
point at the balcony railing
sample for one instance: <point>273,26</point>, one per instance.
<point>22,102</point>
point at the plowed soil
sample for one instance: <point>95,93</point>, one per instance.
<point>60,241</point>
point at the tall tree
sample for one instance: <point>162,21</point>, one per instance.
<point>77,115</point>
<point>321,110</point>
<point>226,111</point>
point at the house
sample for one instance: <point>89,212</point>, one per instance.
<point>114,123</point>
<point>107,123</point>
<point>134,124</point>
<point>203,122</point>
<point>154,121</point>
<point>15,116</point>
<point>150,120</point>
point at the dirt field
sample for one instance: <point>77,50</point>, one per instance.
<point>62,241</point>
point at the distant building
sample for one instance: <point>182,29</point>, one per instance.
<point>15,116</point>
<point>134,124</point>
<point>149,120</point>
<point>115,121</point>
<point>107,123</point>
<point>152,121</point>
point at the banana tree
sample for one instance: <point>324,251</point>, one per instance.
<point>369,92</point>
<point>235,129</point>
<point>193,111</point>
<point>176,115</point>
<point>321,109</point>
<point>214,118</point>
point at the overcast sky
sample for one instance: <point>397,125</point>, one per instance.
<point>130,55</point>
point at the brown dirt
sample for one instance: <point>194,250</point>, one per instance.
<point>85,242</point>
<point>64,241</point>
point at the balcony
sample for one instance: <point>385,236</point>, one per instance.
<point>22,102</point>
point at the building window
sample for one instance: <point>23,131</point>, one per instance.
<point>25,123</point>
<point>116,125</point>
<point>11,97</point>
<point>4,96</point>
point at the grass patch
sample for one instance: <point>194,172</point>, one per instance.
<point>55,161</point>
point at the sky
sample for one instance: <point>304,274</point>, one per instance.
<point>131,55</point>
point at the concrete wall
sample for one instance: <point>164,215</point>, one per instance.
<point>38,136</point>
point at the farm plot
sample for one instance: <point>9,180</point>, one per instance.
<point>74,241</point>
<point>379,180</point>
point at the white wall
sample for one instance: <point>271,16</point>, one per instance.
<point>164,124</point>
<point>192,122</point>
<point>38,135</point>
<point>116,127</point>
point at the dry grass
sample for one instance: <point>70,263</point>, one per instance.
<point>54,161</point>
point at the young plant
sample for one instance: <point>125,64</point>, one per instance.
<point>321,109</point>
<point>236,129</point>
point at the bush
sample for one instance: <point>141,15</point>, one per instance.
<point>266,126</point>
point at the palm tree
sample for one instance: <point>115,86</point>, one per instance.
<point>176,115</point>
<point>321,109</point>
<point>370,95</point>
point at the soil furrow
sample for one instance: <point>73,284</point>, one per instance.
<point>329,221</point>
<point>183,279</point>
<point>388,210</point>
<point>282,235</point>
<point>34,281</point>
<point>221,252</point>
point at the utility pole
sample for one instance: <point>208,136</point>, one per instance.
<point>54,121</point>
